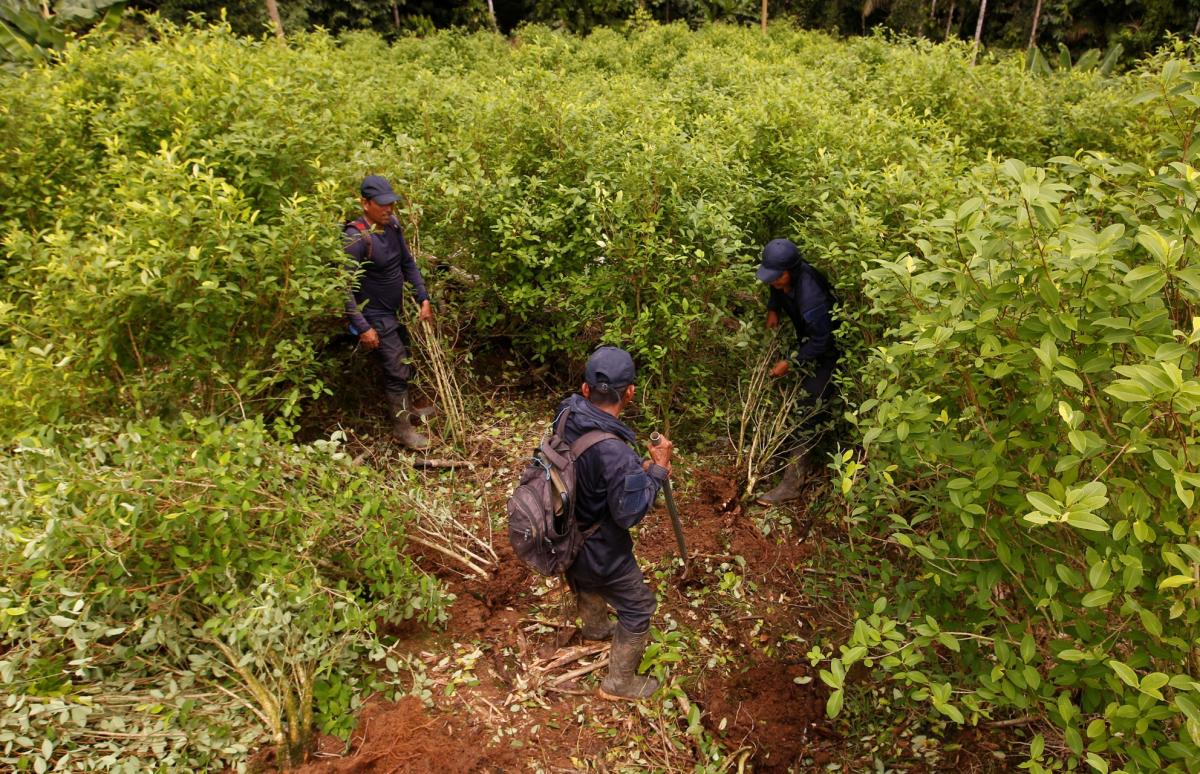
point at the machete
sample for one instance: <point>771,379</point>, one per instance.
<point>655,439</point>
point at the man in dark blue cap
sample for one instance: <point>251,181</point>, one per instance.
<point>805,296</point>
<point>614,488</point>
<point>375,245</point>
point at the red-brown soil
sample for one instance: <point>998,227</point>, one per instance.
<point>766,709</point>
<point>402,736</point>
<point>745,601</point>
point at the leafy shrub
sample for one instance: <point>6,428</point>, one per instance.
<point>611,188</point>
<point>147,567</point>
<point>170,207</point>
<point>1029,446</point>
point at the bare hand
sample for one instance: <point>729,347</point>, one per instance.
<point>369,338</point>
<point>779,369</point>
<point>660,453</point>
<point>772,319</point>
<point>426,313</point>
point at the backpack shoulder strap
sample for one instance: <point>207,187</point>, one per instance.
<point>364,232</point>
<point>590,439</point>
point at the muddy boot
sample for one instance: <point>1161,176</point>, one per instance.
<point>422,407</point>
<point>402,429</point>
<point>594,612</point>
<point>789,486</point>
<point>623,681</point>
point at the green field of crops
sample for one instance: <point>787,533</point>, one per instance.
<point>1016,255</point>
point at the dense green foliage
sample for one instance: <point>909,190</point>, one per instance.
<point>170,208</point>
<point>1030,437</point>
<point>30,32</point>
<point>141,220</point>
<point>142,566</point>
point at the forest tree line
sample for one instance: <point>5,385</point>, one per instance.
<point>1137,25</point>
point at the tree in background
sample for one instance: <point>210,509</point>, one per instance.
<point>30,31</point>
<point>1138,25</point>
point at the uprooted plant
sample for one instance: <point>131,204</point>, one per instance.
<point>128,556</point>
<point>443,368</point>
<point>772,413</point>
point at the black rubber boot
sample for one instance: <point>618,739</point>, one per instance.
<point>794,475</point>
<point>593,610</point>
<point>402,429</point>
<point>623,682</point>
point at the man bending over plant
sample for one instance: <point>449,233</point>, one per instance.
<point>375,244</point>
<point>804,294</point>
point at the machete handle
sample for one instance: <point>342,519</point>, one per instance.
<point>655,438</point>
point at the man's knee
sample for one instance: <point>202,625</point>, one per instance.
<point>637,607</point>
<point>394,358</point>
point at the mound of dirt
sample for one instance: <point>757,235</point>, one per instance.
<point>765,708</point>
<point>403,737</point>
<point>485,608</point>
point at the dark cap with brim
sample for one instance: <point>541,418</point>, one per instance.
<point>609,368</point>
<point>378,190</point>
<point>778,256</point>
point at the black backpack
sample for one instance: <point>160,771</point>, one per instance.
<point>541,510</point>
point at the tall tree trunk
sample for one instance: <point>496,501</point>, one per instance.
<point>492,13</point>
<point>273,12</point>
<point>1196,32</point>
<point>764,17</point>
<point>979,30</point>
<point>949,21</point>
<point>395,14</point>
<point>1037,14</point>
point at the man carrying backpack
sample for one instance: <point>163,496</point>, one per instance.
<point>802,293</point>
<point>375,243</point>
<point>614,490</point>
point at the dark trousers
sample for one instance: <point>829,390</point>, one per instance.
<point>627,593</point>
<point>392,353</point>
<point>819,390</point>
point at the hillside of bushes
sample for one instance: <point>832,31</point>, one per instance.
<point>1015,255</point>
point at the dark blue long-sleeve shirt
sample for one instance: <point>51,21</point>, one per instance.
<point>386,263</point>
<point>810,308</point>
<point>611,489</point>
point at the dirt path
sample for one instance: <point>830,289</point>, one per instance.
<point>509,686</point>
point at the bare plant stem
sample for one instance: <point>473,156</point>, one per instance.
<point>767,419</point>
<point>449,395</point>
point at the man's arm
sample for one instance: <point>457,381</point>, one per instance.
<point>356,250</point>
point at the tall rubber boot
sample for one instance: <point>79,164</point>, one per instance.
<point>402,429</point>
<point>794,474</point>
<point>623,682</point>
<point>593,610</point>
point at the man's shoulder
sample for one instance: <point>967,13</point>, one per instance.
<point>355,229</point>
<point>610,452</point>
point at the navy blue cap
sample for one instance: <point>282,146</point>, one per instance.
<point>609,368</point>
<point>778,256</point>
<point>378,190</point>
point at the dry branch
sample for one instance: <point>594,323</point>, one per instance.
<point>581,671</point>
<point>571,654</point>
